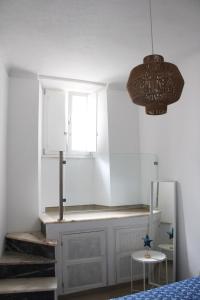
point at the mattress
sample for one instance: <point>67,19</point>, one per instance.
<point>188,289</point>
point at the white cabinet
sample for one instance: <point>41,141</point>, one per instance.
<point>96,253</point>
<point>84,260</point>
<point>128,240</point>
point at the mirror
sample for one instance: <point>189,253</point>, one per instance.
<point>163,201</point>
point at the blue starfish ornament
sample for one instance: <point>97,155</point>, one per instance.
<point>147,241</point>
<point>171,233</point>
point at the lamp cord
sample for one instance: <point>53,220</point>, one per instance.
<point>151,25</point>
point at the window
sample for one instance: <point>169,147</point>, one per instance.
<point>69,122</point>
<point>82,123</point>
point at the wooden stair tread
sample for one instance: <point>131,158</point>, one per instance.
<point>28,285</point>
<point>32,237</point>
<point>16,258</point>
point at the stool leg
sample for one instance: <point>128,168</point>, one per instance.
<point>166,270</point>
<point>159,273</point>
<point>144,274</point>
<point>149,273</point>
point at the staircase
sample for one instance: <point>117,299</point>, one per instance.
<point>27,268</point>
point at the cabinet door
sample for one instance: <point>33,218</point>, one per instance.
<point>84,261</point>
<point>128,240</point>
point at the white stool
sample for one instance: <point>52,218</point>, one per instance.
<point>155,257</point>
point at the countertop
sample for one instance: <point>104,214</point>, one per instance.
<point>51,216</point>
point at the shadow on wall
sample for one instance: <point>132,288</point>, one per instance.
<point>182,254</point>
<point>21,73</point>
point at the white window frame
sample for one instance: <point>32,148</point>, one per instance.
<point>69,153</point>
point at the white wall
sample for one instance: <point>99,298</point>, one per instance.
<point>86,180</point>
<point>78,182</point>
<point>130,171</point>
<point>148,173</point>
<point>125,179</point>
<point>122,122</point>
<point>176,138</point>
<point>124,148</point>
<point>23,153</point>
<point>102,159</point>
<point>114,176</point>
<point>3,153</point>
<point>40,111</point>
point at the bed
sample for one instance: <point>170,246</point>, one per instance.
<point>188,289</point>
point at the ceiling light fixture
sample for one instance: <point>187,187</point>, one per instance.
<point>155,83</point>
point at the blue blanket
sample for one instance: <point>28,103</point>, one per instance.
<point>188,289</point>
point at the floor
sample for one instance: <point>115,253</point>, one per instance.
<point>107,292</point>
<point>114,291</point>
<point>102,294</point>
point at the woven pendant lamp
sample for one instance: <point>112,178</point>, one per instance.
<point>155,83</point>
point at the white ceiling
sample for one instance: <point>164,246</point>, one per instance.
<point>96,40</point>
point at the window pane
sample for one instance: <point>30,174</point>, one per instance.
<point>78,123</point>
<point>83,123</point>
<point>91,124</point>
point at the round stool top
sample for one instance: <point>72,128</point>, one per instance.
<point>156,256</point>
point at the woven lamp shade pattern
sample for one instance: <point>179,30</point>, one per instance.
<point>155,84</point>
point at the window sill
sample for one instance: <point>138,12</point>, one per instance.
<point>70,156</point>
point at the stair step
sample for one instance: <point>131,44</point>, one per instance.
<point>30,243</point>
<point>27,285</point>
<point>16,258</point>
<point>32,237</point>
<point>20,265</point>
